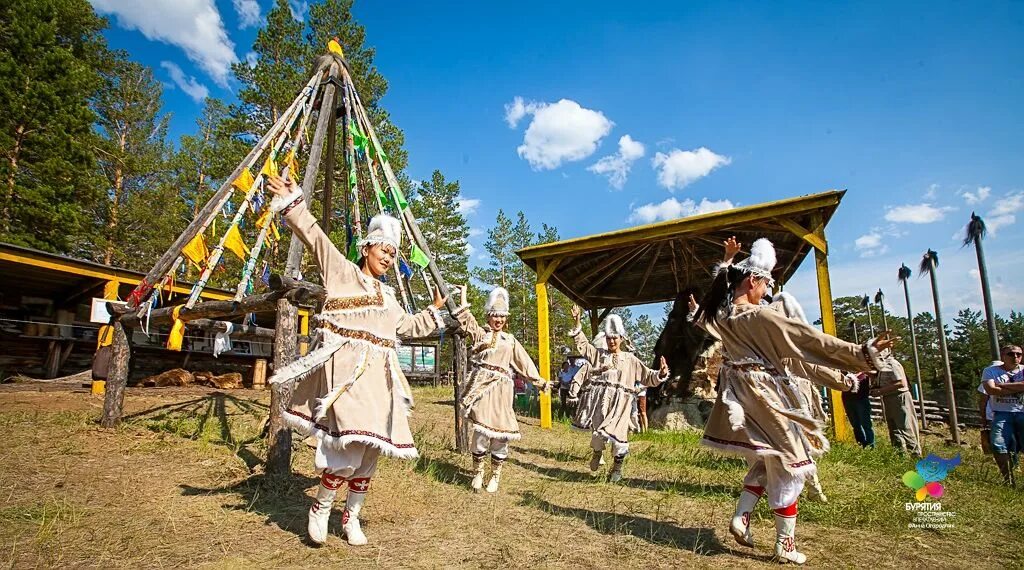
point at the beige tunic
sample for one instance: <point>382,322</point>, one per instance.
<point>608,390</point>
<point>490,388</point>
<point>807,376</point>
<point>360,324</point>
<point>758,411</point>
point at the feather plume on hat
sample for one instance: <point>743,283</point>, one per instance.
<point>383,230</point>
<point>497,302</point>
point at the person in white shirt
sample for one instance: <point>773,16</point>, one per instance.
<point>1004,385</point>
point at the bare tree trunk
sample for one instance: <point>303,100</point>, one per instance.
<point>279,443</point>
<point>117,379</point>
<point>108,250</point>
<point>459,363</point>
<point>12,160</point>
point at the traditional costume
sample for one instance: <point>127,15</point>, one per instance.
<point>758,413</point>
<point>490,389</point>
<point>898,407</point>
<point>607,394</point>
<point>352,395</point>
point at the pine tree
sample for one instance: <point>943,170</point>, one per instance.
<point>435,205</point>
<point>131,153</point>
<point>500,268</point>
<point>51,55</point>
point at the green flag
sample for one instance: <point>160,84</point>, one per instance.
<point>353,250</point>
<point>418,257</point>
<point>400,200</point>
<point>359,140</point>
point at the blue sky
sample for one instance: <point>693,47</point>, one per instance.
<point>634,112</point>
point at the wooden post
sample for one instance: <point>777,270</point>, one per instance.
<point>544,271</point>
<point>843,430</point>
<point>106,334</point>
<point>459,364</point>
<point>954,423</point>
<point>917,361</point>
<point>117,379</point>
<point>259,374</point>
<point>279,444</point>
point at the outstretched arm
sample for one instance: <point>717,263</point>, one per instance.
<point>795,339</point>
<point>288,200</point>
<point>583,345</point>
<point>424,322</point>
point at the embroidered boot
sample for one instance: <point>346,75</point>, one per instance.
<point>496,463</point>
<point>785,536</point>
<point>616,473</point>
<point>596,460</point>
<point>740,525</point>
<point>320,512</point>
<point>357,488</point>
<point>478,472</point>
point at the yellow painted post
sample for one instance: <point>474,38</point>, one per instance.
<point>840,424</point>
<point>105,336</point>
<point>544,270</point>
<point>303,331</point>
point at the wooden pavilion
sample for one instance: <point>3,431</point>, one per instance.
<point>653,263</point>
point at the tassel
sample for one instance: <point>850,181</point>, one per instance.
<point>177,330</point>
<point>325,403</point>
<point>222,341</point>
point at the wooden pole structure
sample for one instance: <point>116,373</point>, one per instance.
<point>459,364</point>
<point>954,424</point>
<point>279,444</point>
<point>117,379</point>
<point>544,270</point>
<point>904,275</point>
<point>842,428</point>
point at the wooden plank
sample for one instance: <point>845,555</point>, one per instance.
<point>684,226</point>
<point>604,264</point>
<point>259,374</point>
<point>549,267</point>
<point>459,365</point>
<point>675,271</point>
<point>803,233</point>
<point>650,267</point>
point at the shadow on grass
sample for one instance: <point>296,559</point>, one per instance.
<point>553,455</point>
<point>281,499</point>
<point>442,471</point>
<point>676,486</point>
<point>701,541</point>
<point>176,419</point>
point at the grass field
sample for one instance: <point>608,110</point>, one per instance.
<point>181,484</point>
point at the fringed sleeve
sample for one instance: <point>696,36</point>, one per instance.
<point>420,324</point>
<point>331,262</point>
<point>523,364</point>
<point>797,340</point>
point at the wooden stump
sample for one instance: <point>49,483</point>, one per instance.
<point>117,379</point>
<point>279,440</point>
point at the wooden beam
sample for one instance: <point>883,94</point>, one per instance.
<point>545,271</point>
<point>803,233</point>
<point>612,259</point>
<point>625,266</point>
<point>264,302</point>
<point>675,270</point>
<point>650,267</point>
<point>613,271</point>
<point>543,349</point>
<point>685,226</point>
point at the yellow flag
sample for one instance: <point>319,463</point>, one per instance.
<point>273,228</point>
<point>244,181</point>
<point>293,165</point>
<point>264,218</point>
<point>196,251</point>
<point>334,47</point>
<point>269,168</point>
<point>177,330</point>
<point>233,241</point>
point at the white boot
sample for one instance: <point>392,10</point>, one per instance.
<point>478,473</point>
<point>350,519</point>
<point>785,540</point>
<point>739,527</point>
<point>616,473</point>
<point>596,460</point>
<point>320,512</point>
<point>492,485</point>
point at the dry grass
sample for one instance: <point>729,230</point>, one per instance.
<point>180,484</point>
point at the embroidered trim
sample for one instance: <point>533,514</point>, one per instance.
<point>331,482</point>
<point>335,433</point>
<point>496,430</point>
<point>359,335</point>
<point>356,302</point>
<point>737,443</point>
<point>436,314</point>
<point>290,207</point>
<point>493,368</point>
<point>748,366</point>
<point>601,383</point>
<point>359,485</point>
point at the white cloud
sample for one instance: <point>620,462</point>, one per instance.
<point>475,232</point>
<point>298,9</point>
<point>195,26</point>
<point>248,13</point>
<point>197,91</point>
<point>931,192</point>
<point>1004,213</point>
<point>679,168</point>
<point>468,206</point>
<point>251,59</point>
<point>616,166</point>
<point>916,213</point>
<point>470,250</point>
<point>559,132</point>
<point>978,196</point>
<point>671,209</point>
<point>871,244</point>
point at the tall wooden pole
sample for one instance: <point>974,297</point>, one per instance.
<point>954,424</point>
<point>913,344</point>
<point>840,424</point>
<point>459,364</point>
<point>280,438</point>
<point>986,295</point>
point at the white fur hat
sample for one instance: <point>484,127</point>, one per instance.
<point>613,326</point>
<point>791,307</point>
<point>761,261</point>
<point>600,341</point>
<point>383,230</point>
<point>497,302</point>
